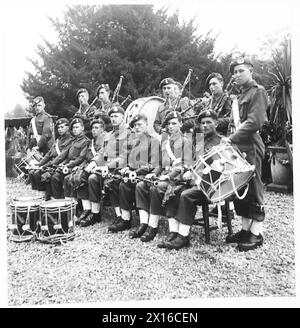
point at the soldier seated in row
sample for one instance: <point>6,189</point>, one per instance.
<point>171,93</point>
<point>69,158</point>
<point>40,134</point>
<point>175,150</point>
<point>62,142</point>
<point>179,235</point>
<point>108,159</point>
<point>76,183</point>
<point>142,157</point>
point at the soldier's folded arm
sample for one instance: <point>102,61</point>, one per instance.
<point>77,161</point>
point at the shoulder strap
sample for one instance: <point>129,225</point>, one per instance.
<point>93,150</point>
<point>171,154</point>
<point>57,147</point>
<point>236,114</point>
<point>34,130</point>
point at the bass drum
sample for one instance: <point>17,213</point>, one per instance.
<point>147,106</point>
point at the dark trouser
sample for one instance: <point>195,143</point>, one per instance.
<point>68,188</point>
<point>251,206</point>
<point>188,202</point>
<point>127,195</point>
<point>95,186</point>
<point>83,192</point>
<point>57,181</point>
<point>149,197</point>
<point>113,187</point>
<point>35,179</point>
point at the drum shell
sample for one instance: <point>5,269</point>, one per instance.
<point>24,214</point>
<point>147,106</point>
<point>228,172</point>
<point>32,157</point>
<point>57,217</point>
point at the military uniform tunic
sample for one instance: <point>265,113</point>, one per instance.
<point>71,157</point>
<point>164,109</point>
<point>252,103</point>
<point>82,192</point>
<point>190,198</point>
<point>149,197</point>
<point>62,142</point>
<point>115,142</point>
<point>143,158</point>
<point>45,129</point>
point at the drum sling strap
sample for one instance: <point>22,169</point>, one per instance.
<point>57,147</point>
<point>34,130</point>
<point>93,150</point>
<point>171,154</point>
<point>236,114</point>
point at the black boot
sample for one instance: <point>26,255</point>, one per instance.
<point>120,225</point>
<point>171,236</point>
<point>91,219</point>
<point>149,234</point>
<point>179,242</point>
<point>251,242</point>
<point>139,231</point>
<point>237,237</point>
<point>83,216</point>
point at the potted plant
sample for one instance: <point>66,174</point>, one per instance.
<point>278,131</point>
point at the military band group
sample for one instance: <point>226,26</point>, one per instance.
<point>97,156</point>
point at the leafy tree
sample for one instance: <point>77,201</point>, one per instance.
<point>97,44</point>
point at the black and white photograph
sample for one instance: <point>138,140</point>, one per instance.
<point>149,155</point>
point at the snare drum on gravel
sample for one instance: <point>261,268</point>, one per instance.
<point>57,221</point>
<point>222,172</point>
<point>24,218</point>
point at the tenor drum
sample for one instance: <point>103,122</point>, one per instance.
<point>24,218</point>
<point>222,172</point>
<point>57,221</point>
<point>147,106</point>
<point>30,159</point>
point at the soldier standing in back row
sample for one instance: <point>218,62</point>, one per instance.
<point>40,134</point>
<point>170,93</point>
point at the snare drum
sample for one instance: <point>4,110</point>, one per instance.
<point>30,159</point>
<point>57,221</point>
<point>24,218</point>
<point>222,172</point>
<point>147,106</point>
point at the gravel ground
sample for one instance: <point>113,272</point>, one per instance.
<point>98,266</point>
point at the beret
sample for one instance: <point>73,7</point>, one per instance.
<point>62,121</point>
<point>136,118</point>
<point>115,108</point>
<point>98,120</point>
<point>76,120</point>
<point>169,116</point>
<point>102,86</point>
<point>166,81</point>
<point>239,61</point>
<point>207,113</point>
<point>212,75</point>
<point>81,91</point>
<point>37,100</point>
